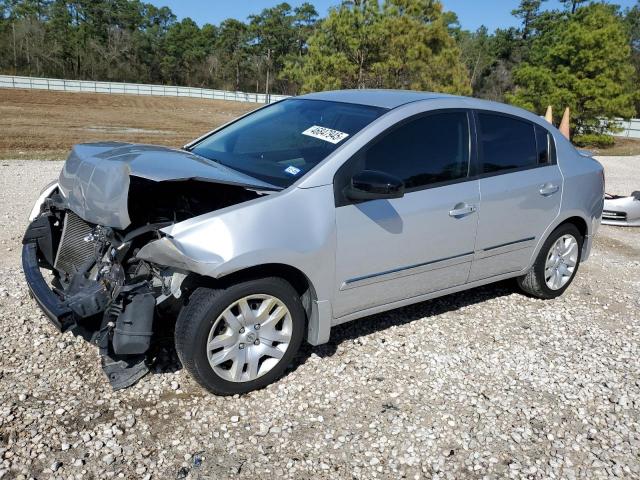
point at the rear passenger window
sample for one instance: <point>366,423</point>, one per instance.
<point>427,150</point>
<point>506,143</point>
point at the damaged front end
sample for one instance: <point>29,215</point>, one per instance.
<point>87,236</point>
<point>98,289</point>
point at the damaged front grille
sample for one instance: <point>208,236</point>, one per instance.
<point>76,244</point>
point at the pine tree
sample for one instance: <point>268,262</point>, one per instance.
<point>582,61</point>
<point>399,44</point>
<point>632,20</point>
<point>573,5</point>
<point>528,11</point>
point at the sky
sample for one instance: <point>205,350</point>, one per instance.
<point>472,13</point>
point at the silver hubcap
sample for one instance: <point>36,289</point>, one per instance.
<point>249,338</point>
<point>561,262</point>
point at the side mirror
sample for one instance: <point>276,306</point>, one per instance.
<point>374,185</point>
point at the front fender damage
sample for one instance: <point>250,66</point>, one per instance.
<point>170,253</point>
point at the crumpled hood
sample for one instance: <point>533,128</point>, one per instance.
<point>95,177</point>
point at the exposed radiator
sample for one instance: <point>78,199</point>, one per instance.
<point>74,249</point>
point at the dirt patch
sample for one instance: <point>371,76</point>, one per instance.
<point>44,125</point>
<point>623,146</point>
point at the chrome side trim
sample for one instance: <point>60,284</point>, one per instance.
<point>510,243</point>
<point>529,242</point>
<point>421,298</point>
<point>406,271</point>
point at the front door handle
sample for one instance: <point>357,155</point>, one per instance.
<point>547,189</point>
<point>462,209</point>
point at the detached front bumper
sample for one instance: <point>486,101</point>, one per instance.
<point>58,313</point>
<point>622,211</point>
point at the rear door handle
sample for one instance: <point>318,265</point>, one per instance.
<point>547,189</point>
<point>462,209</point>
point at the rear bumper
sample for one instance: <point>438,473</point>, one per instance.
<point>58,313</point>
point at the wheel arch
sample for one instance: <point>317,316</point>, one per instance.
<point>574,218</point>
<point>296,277</point>
<point>579,222</point>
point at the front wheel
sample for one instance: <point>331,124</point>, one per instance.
<point>556,264</point>
<point>240,338</point>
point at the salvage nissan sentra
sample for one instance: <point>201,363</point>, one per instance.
<point>302,215</point>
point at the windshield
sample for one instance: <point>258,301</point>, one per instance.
<point>280,143</point>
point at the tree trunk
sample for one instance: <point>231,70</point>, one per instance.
<point>78,58</point>
<point>266,85</point>
<point>26,43</point>
<point>15,55</point>
<point>472,80</point>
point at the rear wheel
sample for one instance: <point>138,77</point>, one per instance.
<point>556,264</point>
<point>240,338</point>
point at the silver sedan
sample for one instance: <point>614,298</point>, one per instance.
<point>303,215</point>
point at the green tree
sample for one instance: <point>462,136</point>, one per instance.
<point>62,39</point>
<point>632,20</point>
<point>583,62</point>
<point>343,48</point>
<point>305,18</point>
<point>232,43</point>
<point>273,38</point>
<point>149,42</point>
<point>304,24</point>
<point>528,11</point>
<point>478,54</point>
<point>572,5</point>
<point>399,44</point>
<point>184,47</point>
<point>419,52</point>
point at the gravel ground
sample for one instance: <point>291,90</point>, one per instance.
<point>486,383</point>
<point>622,174</point>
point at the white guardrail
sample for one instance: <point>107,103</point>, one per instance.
<point>56,84</point>
<point>630,128</point>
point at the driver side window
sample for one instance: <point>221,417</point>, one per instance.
<point>423,151</point>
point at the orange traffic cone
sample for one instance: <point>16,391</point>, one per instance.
<point>549,115</point>
<point>564,124</point>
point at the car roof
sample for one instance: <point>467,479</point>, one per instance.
<point>391,99</point>
<point>375,98</point>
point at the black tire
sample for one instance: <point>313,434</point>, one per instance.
<point>534,282</point>
<point>203,308</point>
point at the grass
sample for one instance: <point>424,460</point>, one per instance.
<point>43,125</point>
<point>623,147</point>
<point>38,124</point>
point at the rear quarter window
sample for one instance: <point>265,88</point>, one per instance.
<point>546,147</point>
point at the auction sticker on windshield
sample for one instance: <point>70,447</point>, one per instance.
<point>326,134</point>
<point>291,170</point>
